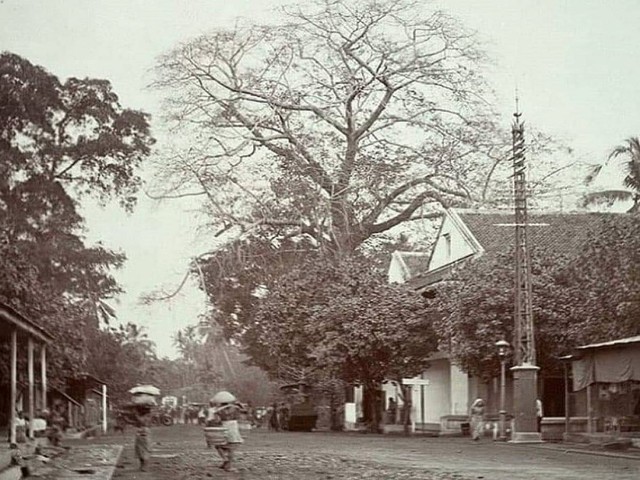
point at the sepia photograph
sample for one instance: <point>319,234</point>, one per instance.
<point>320,239</point>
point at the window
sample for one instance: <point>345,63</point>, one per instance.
<point>447,246</point>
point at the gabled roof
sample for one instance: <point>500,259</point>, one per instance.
<point>494,231</point>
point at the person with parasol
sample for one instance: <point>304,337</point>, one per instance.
<point>224,416</point>
<point>143,402</point>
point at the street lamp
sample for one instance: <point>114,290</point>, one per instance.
<point>503,352</point>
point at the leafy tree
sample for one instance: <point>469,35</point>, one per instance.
<point>123,357</point>
<point>73,133</point>
<point>59,142</point>
<point>341,320</point>
<point>631,150</point>
<point>213,363</point>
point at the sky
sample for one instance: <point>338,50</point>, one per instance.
<point>574,63</point>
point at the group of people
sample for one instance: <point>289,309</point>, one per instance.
<point>49,423</point>
<point>278,416</point>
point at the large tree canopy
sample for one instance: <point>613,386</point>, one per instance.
<point>60,142</point>
<point>340,123</point>
<point>73,133</point>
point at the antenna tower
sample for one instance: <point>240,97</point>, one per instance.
<point>524,346</point>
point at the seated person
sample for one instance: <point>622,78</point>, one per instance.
<point>40,424</point>
<point>21,428</point>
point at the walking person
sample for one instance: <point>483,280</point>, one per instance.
<point>228,411</point>
<point>142,442</point>
<point>476,412</point>
<point>539,414</point>
<point>274,421</point>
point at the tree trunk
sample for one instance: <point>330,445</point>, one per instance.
<point>336,402</point>
<point>407,403</point>
<point>372,407</point>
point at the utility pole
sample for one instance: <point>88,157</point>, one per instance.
<point>525,371</point>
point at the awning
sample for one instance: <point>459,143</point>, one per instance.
<point>612,343</point>
<point>618,362</point>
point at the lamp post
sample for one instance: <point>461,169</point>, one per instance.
<point>503,352</point>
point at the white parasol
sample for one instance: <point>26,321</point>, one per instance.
<point>145,389</point>
<point>223,397</point>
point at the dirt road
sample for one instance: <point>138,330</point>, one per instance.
<point>180,453</point>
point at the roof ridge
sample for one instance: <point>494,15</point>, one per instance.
<point>533,211</point>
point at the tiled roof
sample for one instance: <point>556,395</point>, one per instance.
<point>563,233</point>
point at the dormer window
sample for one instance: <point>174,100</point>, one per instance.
<point>447,246</point>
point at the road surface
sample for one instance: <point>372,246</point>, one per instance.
<point>180,453</point>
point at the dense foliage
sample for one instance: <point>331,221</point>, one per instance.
<point>344,319</point>
<point>590,296</point>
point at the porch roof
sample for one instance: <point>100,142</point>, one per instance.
<point>612,343</point>
<point>10,315</point>
<point>67,397</point>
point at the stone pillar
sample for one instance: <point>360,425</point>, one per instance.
<point>525,393</point>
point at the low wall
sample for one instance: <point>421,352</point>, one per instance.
<point>430,429</point>
<point>553,428</point>
<point>452,425</point>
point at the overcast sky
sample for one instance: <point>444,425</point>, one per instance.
<point>575,63</point>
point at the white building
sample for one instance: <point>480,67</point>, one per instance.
<point>464,235</point>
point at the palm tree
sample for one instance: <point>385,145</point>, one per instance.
<point>136,337</point>
<point>631,149</point>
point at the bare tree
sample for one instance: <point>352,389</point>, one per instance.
<point>340,123</point>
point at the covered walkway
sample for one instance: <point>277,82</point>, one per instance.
<point>21,333</point>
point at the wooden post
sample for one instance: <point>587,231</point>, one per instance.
<point>104,409</point>
<point>422,408</point>
<point>14,381</point>
<point>43,374</point>
<point>31,385</point>
<point>589,426</point>
<point>567,403</point>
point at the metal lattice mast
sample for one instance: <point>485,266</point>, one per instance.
<point>524,346</point>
